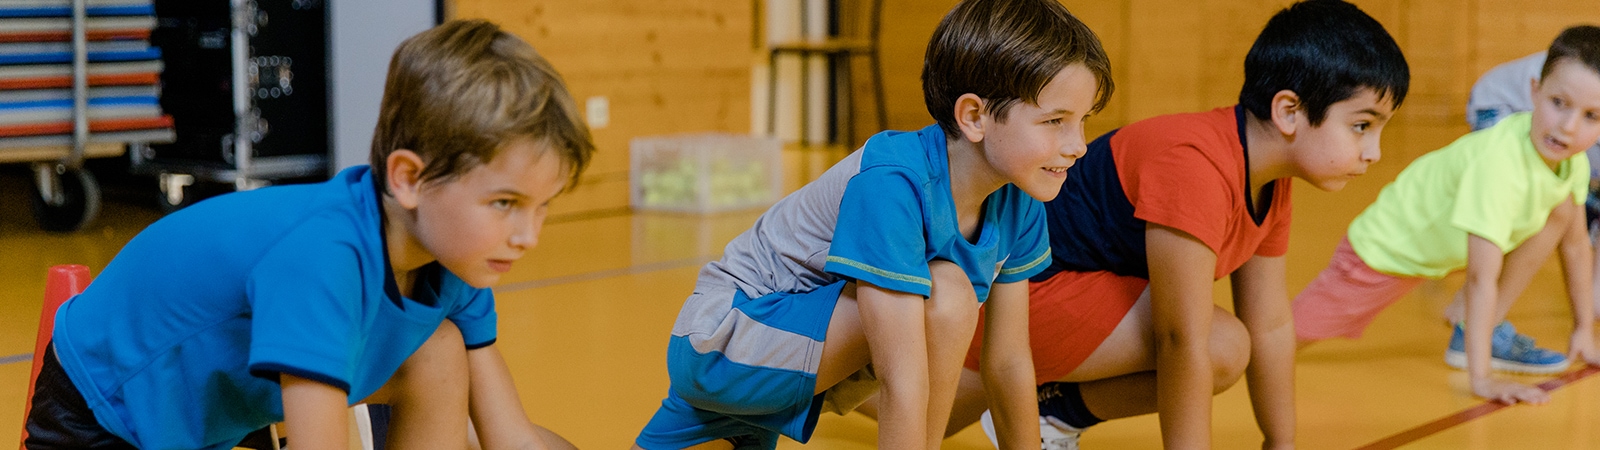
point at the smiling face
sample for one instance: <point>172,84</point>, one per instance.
<point>1036,144</point>
<point>479,223</point>
<point>1339,149</point>
<point>1566,111</point>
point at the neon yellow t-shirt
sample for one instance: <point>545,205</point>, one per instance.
<point>1491,183</point>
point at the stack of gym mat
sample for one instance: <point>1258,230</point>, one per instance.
<point>36,73</point>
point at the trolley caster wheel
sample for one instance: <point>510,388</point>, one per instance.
<point>64,200</point>
<point>179,190</point>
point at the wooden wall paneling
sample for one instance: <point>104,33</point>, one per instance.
<point>1230,28</point>
<point>907,26</point>
<point>1509,29</point>
<point>1439,50</point>
<point>1387,12</point>
<point>666,67</point>
<point>1165,46</point>
<point>1109,20</point>
<point>684,66</point>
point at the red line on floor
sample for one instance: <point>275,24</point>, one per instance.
<point>1466,415</point>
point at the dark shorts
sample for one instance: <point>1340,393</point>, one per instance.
<point>60,418</point>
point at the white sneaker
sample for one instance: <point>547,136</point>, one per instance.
<point>1053,434</point>
<point>1057,435</point>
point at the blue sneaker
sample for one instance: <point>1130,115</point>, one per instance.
<point>1512,353</point>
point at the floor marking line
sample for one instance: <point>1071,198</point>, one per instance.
<point>20,357</point>
<point>1469,414</point>
<point>599,274</point>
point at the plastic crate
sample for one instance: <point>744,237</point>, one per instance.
<point>704,173</point>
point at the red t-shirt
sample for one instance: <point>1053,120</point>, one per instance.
<point>1187,171</point>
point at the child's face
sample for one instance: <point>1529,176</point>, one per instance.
<point>479,223</point>
<point>1331,154</point>
<point>1566,111</point>
<point>1037,143</point>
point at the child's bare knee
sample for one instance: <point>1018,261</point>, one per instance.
<point>1564,214</point>
<point>1230,350</point>
<point>950,281</point>
<point>441,359</point>
<point>953,299</point>
<point>446,335</point>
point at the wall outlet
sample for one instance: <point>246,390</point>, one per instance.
<point>597,112</point>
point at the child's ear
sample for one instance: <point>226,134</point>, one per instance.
<point>1287,112</point>
<point>404,177</point>
<point>969,117</point>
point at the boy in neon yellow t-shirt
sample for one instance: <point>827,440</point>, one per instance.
<point>1495,202</point>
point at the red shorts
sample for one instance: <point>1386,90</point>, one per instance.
<point>1345,297</point>
<point>1069,316</point>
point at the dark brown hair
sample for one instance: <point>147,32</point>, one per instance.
<point>458,92</point>
<point>1580,43</point>
<point>1004,51</point>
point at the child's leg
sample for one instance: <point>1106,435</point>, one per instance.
<point>1119,379</point>
<point>746,368</point>
<point>705,407</point>
<point>1522,263</point>
<point>1596,267</point>
<point>951,317</point>
<point>1345,298</point>
<point>428,395</point>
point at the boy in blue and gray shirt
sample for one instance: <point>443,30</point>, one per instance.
<point>873,273</point>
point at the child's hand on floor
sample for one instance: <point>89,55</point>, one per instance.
<point>1509,392</point>
<point>1583,348</point>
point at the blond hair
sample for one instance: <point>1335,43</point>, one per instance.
<point>458,92</point>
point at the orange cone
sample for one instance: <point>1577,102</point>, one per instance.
<point>63,282</point>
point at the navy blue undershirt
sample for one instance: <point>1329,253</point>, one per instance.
<point>1092,226</point>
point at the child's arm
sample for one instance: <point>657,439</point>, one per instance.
<point>316,412</point>
<point>1180,300</point>
<point>1262,303</point>
<point>1484,261</point>
<point>1577,260</point>
<point>496,410</point>
<point>1007,365</point>
<point>894,325</point>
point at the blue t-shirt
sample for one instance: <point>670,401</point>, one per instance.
<point>880,216</point>
<point>897,215</point>
<point>179,342</point>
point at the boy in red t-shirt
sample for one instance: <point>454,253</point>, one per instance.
<point>1156,211</point>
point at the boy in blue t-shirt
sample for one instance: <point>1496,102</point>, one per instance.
<point>872,274</point>
<point>292,303</point>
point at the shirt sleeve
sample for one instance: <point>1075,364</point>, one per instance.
<point>1030,252</point>
<point>880,237</point>
<point>475,316</point>
<point>1483,196</point>
<point>306,303</point>
<point>1181,187</point>
<point>1579,178</point>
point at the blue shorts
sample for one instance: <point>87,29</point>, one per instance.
<point>750,372</point>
